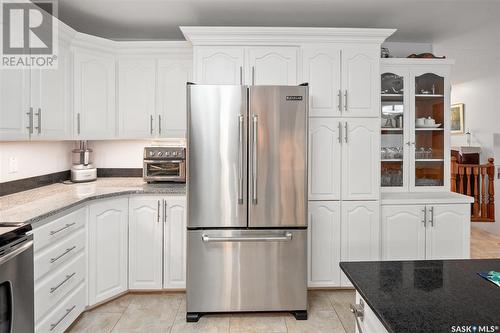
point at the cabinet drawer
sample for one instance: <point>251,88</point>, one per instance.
<point>53,289</point>
<point>60,253</point>
<point>59,228</point>
<point>64,314</point>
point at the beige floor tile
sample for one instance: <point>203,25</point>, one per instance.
<point>206,324</point>
<point>115,306</point>
<point>318,301</point>
<point>341,299</point>
<point>318,321</point>
<point>93,322</point>
<point>258,323</point>
<point>149,313</point>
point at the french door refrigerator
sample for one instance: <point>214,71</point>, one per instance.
<point>247,199</point>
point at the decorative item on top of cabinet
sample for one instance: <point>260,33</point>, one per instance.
<point>108,248</point>
<point>94,98</point>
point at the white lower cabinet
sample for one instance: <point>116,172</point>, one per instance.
<point>340,231</point>
<point>360,233</point>
<point>416,232</point>
<point>370,322</point>
<point>323,244</point>
<point>107,244</point>
<point>157,242</point>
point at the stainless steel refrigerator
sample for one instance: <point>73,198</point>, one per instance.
<point>247,199</point>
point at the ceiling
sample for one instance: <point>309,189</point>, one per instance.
<point>416,20</point>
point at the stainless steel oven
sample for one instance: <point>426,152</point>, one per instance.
<point>164,164</point>
<point>16,279</point>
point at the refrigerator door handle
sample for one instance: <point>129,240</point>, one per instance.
<point>255,120</point>
<point>271,238</point>
<point>240,159</point>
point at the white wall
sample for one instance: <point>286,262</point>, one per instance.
<point>476,83</point>
<point>33,158</point>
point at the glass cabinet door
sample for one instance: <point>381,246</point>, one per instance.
<point>392,131</point>
<point>429,132</point>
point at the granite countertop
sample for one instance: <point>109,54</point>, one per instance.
<point>428,296</point>
<point>37,204</point>
<point>422,198</point>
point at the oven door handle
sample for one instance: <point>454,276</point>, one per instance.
<point>272,238</point>
<point>16,252</point>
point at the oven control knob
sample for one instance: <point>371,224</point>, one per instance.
<point>174,153</point>
<point>160,153</point>
<point>167,153</point>
<point>151,153</point>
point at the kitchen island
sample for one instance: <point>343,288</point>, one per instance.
<point>425,296</point>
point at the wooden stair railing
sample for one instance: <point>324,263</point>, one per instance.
<point>476,180</point>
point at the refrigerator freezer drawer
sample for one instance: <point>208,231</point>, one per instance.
<point>246,270</point>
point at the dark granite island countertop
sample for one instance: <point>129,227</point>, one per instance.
<point>428,296</point>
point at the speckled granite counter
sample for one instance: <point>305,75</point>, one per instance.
<point>37,204</point>
<point>428,296</point>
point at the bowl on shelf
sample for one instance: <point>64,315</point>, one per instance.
<point>420,125</point>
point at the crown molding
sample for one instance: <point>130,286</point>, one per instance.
<point>281,35</point>
<point>153,48</point>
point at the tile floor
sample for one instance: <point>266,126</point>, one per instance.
<point>165,312</point>
<point>484,245</point>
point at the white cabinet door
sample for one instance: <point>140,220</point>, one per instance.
<point>360,238</point>
<point>108,248</point>
<point>272,65</point>
<point>14,104</point>
<point>448,232</point>
<point>218,65</point>
<point>361,159</point>
<point>323,244</point>
<point>51,100</point>
<point>136,98</point>
<point>324,159</point>
<point>403,232</point>
<point>175,243</point>
<point>94,97</point>
<point>171,96</point>
<point>361,81</point>
<point>145,242</point>
<point>321,69</point>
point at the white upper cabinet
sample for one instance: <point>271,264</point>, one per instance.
<point>360,81</point>
<point>272,65</point>
<point>174,274</point>
<point>51,100</point>
<point>403,232</point>
<point>360,159</point>
<point>219,65</point>
<point>14,104</point>
<point>323,244</point>
<point>360,238</point>
<point>321,69</point>
<point>325,157</point>
<point>94,98</point>
<point>136,98</point>
<point>145,242</point>
<point>173,74</point>
<point>448,232</point>
<point>108,248</point>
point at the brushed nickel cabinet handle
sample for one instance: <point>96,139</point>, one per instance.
<point>346,132</point>
<point>164,211</point>
<point>345,100</point>
<point>53,232</point>
<point>158,213</point>
<point>241,75</point>
<point>53,260</point>
<point>39,115</point>
<point>432,216</point>
<point>60,284</point>
<point>68,311</point>
<point>30,120</point>
<point>159,124</point>
<point>358,310</point>
<point>424,216</point>
<point>78,123</point>
<point>151,124</point>
<point>340,132</point>
<point>253,75</point>
<point>339,95</point>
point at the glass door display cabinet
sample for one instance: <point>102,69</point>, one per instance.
<point>415,108</point>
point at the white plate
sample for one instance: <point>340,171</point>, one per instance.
<point>429,126</point>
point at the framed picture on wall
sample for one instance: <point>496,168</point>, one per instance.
<point>457,118</point>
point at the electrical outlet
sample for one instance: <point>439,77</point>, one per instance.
<point>13,165</point>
